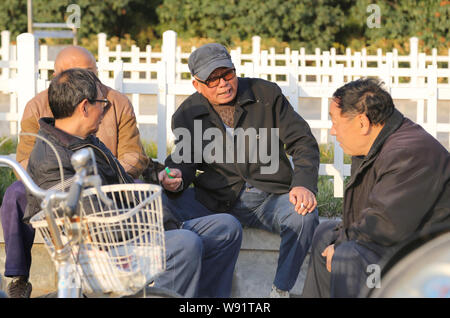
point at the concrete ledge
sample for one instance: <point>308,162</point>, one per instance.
<point>257,263</point>
<point>253,276</point>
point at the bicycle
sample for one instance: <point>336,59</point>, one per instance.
<point>104,240</point>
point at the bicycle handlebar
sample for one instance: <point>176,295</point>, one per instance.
<point>26,179</point>
<point>83,162</point>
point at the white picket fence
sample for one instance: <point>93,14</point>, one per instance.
<point>425,80</point>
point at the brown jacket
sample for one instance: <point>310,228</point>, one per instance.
<point>118,130</point>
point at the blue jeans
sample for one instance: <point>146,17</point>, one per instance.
<point>270,212</point>
<point>201,256</point>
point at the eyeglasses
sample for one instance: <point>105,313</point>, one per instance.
<point>105,103</point>
<point>214,81</point>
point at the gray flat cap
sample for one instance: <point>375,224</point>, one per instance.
<point>204,60</point>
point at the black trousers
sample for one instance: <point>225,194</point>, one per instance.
<point>354,268</point>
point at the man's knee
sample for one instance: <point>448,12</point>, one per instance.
<point>354,254</point>
<point>226,223</point>
<point>324,235</point>
<point>346,252</point>
<point>298,222</point>
<point>14,200</point>
<point>223,228</point>
<point>15,191</point>
<point>184,243</point>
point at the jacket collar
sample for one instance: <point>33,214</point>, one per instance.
<point>245,94</point>
<point>360,162</point>
<point>392,124</point>
<point>48,129</point>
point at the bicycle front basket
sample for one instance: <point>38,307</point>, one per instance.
<point>122,247</point>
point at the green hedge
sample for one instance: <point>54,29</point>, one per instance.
<point>297,23</point>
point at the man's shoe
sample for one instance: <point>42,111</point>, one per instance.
<point>278,293</point>
<point>19,287</point>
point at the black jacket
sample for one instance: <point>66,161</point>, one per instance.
<point>401,188</point>
<point>43,166</point>
<point>259,105</point>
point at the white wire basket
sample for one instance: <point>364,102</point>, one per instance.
<point>120,248</point>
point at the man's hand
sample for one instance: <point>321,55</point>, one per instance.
<point>170,184</point>
<point>328,252</point>
<point>303,200</point>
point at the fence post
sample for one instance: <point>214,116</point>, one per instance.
<point>27,71</point>
<point>338,179</point>
<point>42,80</point>
<point>324,80</point>
<point>135,60</point>
<point>5,49</point>
<point>162,112</point>
<point>387,71</point>
<point>263,63</point>
<point>169,49</point>
<point>413,58</point>
<point>432,100</point>
<point>293,80</point>
<point>102,58</point>
<point>118,75</point>
<point>302,71</point>
<point>256,55</point>
<point>6,74</point>
<point>236,59</point>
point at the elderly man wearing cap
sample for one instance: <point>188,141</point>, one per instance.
<point>270,194</point>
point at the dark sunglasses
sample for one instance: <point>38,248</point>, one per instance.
<point>214,81</point>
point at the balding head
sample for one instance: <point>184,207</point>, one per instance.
<point>75,57</point>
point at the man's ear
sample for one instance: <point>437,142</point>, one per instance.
<point>83,108</point>
<point>197,86</point>
<point>364,123</point>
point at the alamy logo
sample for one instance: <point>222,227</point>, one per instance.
<point>374,279</point>
<point>240,146</point>
<point>374,20</point>
<point>74,20</point>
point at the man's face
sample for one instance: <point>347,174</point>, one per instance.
<point>347,130</point>
<point>223,93</point>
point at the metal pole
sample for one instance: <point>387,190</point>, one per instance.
<point>30,15</point>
